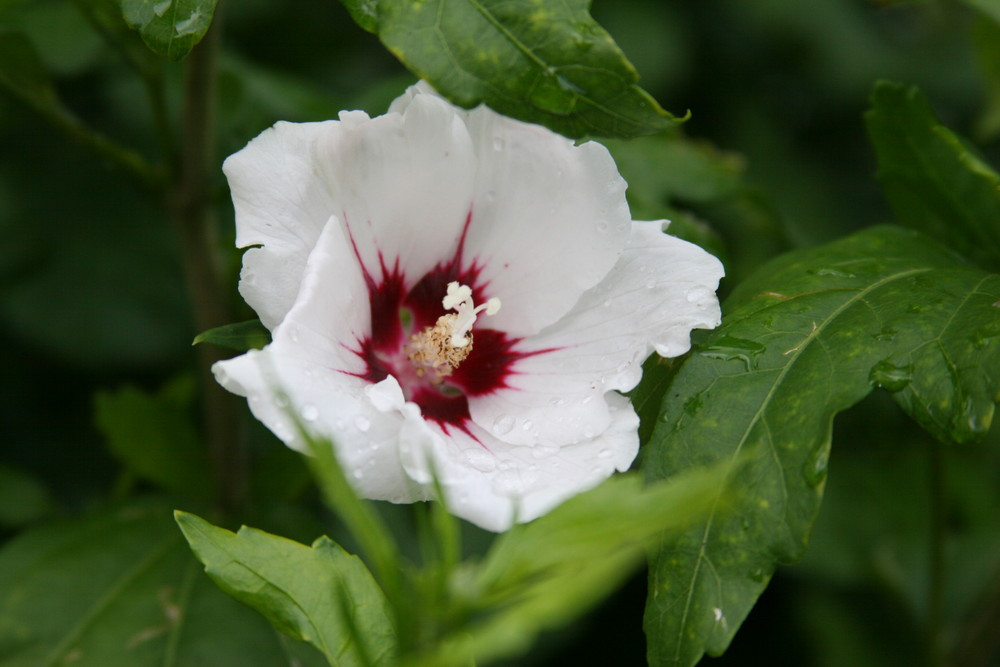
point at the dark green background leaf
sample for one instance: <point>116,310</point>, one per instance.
<point>155,437</point>
<point>23,74</point>
<point>810,335</point>
<point>932,180</point>
<point>170,28</point>
<point>121,589</point>
<point>545,62</point>
<point>303,591</point>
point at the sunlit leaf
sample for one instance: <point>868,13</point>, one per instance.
<point>170,28</point>
<point>805,338</point>
<point>155,437</point>
<point>543,61</point>
<point>932,180</point>
<point>241,336</point>
<point>543,574</point>
<point>320,594</point>
<point>121,589</point>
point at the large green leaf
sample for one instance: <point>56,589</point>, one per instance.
<point>932,180</point>
<point>121,589</point>
<point>321,595</point>
<point>155,437</point>
<point>170,28</point>
<point>807,337</point>
<point>543,61</point>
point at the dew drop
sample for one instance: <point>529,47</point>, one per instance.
<point>527,425</point>
<point>604,454</point>
<point>498,143</point>
<point>758,575</point>
<point>891,377</point>
<point>815,467</point>
<point>293,333</point>
<point>503,424</point>
<point>281,401</point>
<point>481,460</point>
<point>362,423</point>
<point>602,227</point>
<point>543,451</point>
<point>358,474</point>
<point>309,412</point>
<point>650,284</point>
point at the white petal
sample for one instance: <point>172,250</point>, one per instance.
<point>659,291</point>
<point>280,205</point>
<point>492,483</point>
<point>403,185</point>
<point>549,219</point>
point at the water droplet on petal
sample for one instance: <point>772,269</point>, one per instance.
<point>362,423</point>
<point>527,425</point>
<point>481,460</point>
<point>498,143</point>
<point>503,424</point>
<point>543,451</point>
<point>293,333</point>
<point>604,454</point>
<point>358,474</point>
<point>310,412</point>
<point>602,227</point>
<point>650,284</point>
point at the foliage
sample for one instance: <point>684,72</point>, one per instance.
<point>857,359</point>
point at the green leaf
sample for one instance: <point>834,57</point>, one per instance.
<point>319,594</point>
<point>155,437</point>
<point>23,499</point>
<point>933,182</point>
<point>23,74</point>
<point>543,61</point>
<point>170,28</point>
<point>364,13</point>
<point>986,37</point>
<point>543,574</point>
<point>241,336</point>
<point>805,338</point>
<point>120,589</point>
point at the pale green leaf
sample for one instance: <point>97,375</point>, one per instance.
<point>805,338</point>
<point>320,594</point>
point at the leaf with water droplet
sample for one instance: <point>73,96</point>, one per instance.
<point>767,385</point>
<point>548,62</point>
<point>170,28</point>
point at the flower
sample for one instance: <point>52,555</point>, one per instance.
<point>455,294</point>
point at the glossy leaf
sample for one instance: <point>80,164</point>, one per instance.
<point>805,338</point>
<point>932,180</point>
<point>170,28</point>
<point>155,437</point>
<point>240,336</point>
<point>320,594</point>
<point>121,589</point>
<point>543,574</point>
<point>545,61</point>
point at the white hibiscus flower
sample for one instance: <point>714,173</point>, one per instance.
<point>455,291</point>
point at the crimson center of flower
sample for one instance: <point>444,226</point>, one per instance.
<point>437,351</point>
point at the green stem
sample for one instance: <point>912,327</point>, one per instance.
<point>189,202</point>
<point>935,592</point>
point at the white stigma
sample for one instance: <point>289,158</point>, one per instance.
<point>459,299</point>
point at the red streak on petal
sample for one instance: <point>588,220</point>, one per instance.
<point>487,367</point>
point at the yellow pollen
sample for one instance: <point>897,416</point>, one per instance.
<point>442,347</point>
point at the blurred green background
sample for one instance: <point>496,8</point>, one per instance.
<point>92,296</point>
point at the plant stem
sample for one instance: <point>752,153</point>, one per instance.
<point>189,202</point>
<point>935,592</point>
